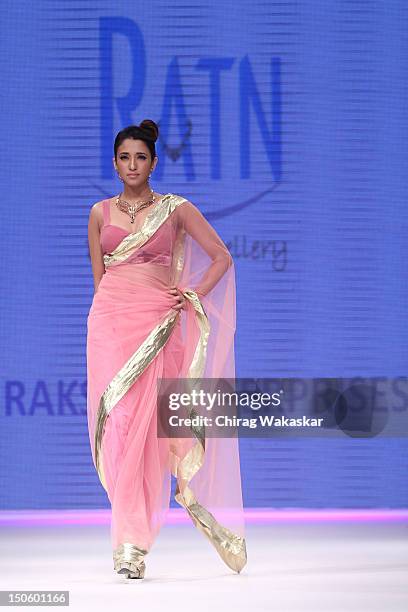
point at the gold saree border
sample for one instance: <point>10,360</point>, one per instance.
<point>230,546</point>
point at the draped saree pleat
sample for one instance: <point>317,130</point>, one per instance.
<point>135,337</point>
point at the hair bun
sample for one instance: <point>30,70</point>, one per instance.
<point>150,128</point>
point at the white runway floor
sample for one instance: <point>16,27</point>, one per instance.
<point>342,567</point>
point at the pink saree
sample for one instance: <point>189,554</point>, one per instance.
<point>135,336</point>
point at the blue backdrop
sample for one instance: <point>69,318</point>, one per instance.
<point>286,124</point>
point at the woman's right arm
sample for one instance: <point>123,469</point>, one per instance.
<point>95,249</point>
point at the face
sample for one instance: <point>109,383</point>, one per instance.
<point>133,157</point>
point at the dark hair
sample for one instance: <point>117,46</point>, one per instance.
<point>147,130</point>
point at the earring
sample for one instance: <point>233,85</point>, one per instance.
<point>120,178</point>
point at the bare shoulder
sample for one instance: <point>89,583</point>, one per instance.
<point>96,213</point>
<point>96,208</point>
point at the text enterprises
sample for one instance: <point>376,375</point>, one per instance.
<point>227,421</point>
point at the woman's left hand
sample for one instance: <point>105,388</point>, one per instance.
<point>181,300</point>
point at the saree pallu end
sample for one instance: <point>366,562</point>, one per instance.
<point>230,546</point>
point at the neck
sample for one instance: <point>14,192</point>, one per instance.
<point>136,193</point>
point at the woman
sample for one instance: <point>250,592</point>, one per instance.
<point>163,308</point>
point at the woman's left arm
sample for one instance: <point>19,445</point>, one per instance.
<point>200,229</point>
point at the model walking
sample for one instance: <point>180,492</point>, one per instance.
<point>164,307</point>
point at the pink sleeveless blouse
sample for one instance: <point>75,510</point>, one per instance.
<point>158,249</point>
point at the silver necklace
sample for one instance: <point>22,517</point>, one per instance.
<point>133,209</point>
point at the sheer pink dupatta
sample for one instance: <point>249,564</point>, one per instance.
<point>208,473</point>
